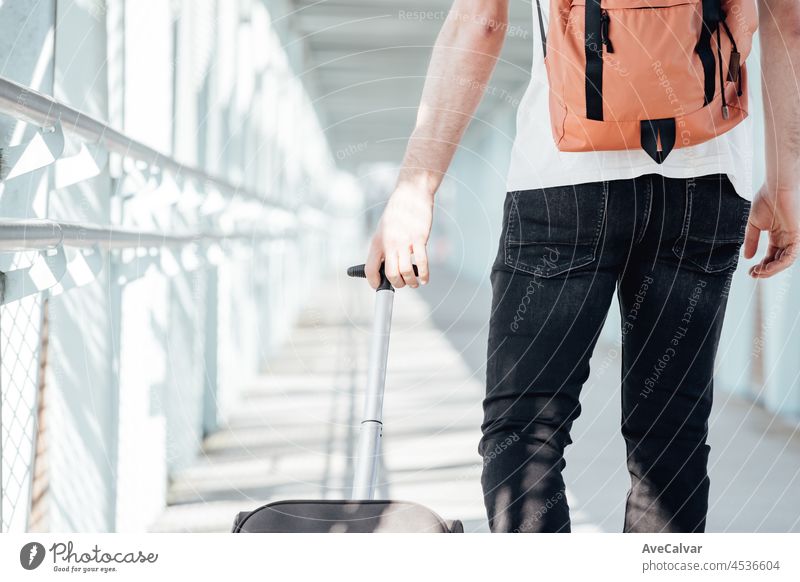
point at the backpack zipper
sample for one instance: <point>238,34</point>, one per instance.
<point>734,63</point>
<point>605,20</point>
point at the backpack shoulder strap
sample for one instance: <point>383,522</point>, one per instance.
<point>541,28</point>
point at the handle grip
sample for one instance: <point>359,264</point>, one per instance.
<point>358,271</point>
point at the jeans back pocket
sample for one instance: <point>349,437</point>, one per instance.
<point>714,226</point>
<point>553,231</point>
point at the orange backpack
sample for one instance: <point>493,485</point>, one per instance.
<point>655,74</point>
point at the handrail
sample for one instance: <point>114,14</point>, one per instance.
<point>43,234</point>
<point>29,235</point>
<point>30,106</point>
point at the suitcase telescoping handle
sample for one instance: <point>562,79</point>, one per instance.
<point>369,438</point>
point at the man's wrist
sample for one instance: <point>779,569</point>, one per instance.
<point>776,189</point>
<point>422,184</point>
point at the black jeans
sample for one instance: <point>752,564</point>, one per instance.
<point>669,247</point>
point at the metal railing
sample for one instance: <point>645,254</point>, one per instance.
<point>30,106</point>
<point>44,234</point>
<point>23,317</point>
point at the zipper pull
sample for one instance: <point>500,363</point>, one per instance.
<point>734,66</point>
<point>735,62</point>
<point>605,21</point>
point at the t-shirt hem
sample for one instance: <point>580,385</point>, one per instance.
<point>575,178</point>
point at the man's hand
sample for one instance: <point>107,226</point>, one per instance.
<point>402,232</point>
<point>776,213</point>
<point>463,59</point>
<point>775,208</point>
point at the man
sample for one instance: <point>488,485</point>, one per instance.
<point>577,227</point>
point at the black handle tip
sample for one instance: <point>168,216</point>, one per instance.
<point>357,271</point>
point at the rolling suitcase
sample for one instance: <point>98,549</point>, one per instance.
<point>360,514</point>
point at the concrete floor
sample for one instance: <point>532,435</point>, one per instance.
<point>293,434</point>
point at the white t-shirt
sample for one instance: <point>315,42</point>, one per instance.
<point>537,163</point>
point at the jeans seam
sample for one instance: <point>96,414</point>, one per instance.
<point>687,217</point>
<point>647,210</point>
<point>512,210</point>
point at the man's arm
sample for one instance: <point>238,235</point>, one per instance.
<point>775,207</point>
<point>463,59</point>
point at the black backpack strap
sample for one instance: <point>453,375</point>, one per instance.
<point>593,48</point>
<point>712,14</point>
<point>541,28</point>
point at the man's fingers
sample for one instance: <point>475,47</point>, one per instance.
<point>372,267</point>
<point>778,261</point>
<point>407,270</point>
<point>398,267</point>
<point>751,236</point>
<point>767,269</point>
<point>392,271</point>
<point>761,267</point>
<point>421,260</point>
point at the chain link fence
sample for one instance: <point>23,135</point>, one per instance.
<point>20,341</point>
